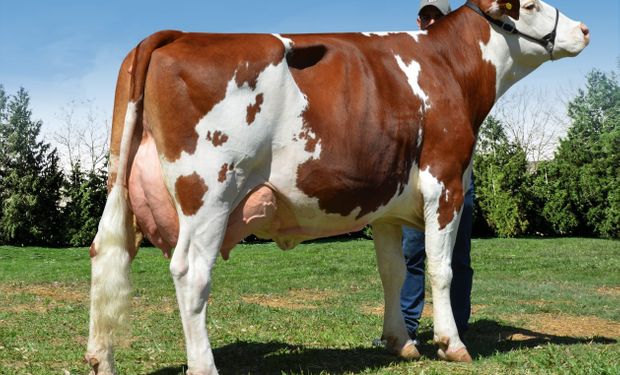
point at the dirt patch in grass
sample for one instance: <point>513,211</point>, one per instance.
<point>426,313</point>
<point>609,291</point>
<point>46,297</point>
<point>295,299</point>
<point>165,305</point>
<point>564,325</point>
<point>54,291</point>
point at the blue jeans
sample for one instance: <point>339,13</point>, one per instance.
<point>412,293</point>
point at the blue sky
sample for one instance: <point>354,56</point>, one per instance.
<point>68,50</point>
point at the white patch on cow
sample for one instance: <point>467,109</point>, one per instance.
<point>288,43</point>
<point>130,122</point>
<point>412,71</point>
<point>380,33</point>
<point>439,243</point>
<point>416,34</point>
<point>420,137</point>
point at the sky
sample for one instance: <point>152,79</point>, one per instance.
<point>66,50</point>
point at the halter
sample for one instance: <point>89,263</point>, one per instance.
<point>547,41</point>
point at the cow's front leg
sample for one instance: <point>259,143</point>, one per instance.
<point>191,265</point>
<point>443,203</point>
<point>391,263</point>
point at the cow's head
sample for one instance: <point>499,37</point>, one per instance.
<point>536,19</point>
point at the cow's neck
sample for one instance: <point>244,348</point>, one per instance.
<point>480,59</point>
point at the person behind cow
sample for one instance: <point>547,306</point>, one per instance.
<point>412,293</point>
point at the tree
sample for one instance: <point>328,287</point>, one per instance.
<point>3,119</point>
<point>83,138</point>
<point>30,178</point>
<point>583,183</point>
<point>529,121</point>
<point>499,170</point>
<point>86,195</point>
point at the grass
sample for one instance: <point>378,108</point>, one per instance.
<point>540,307</point>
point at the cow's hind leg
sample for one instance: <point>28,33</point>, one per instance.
<point>391,263</point>
<point>110,286</point>
<point>200,238</point>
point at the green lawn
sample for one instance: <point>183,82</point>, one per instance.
<point>540,307</point>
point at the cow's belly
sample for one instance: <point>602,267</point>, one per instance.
<point>265,211</point>
<point>262,212</point>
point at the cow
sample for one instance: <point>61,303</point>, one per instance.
<point>296,137</point>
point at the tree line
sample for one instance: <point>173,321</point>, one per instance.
<point>577,192</point>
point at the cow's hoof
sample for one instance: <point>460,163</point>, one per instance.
<point>96,368</point>
<point>407,351</point>
<point>459,355</point>
<point>444,352</point>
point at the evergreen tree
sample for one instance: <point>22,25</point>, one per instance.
<point>3,118</point>
<point>583,182</point>
<point>500,170</point>
<point>30,178</point>
<point>86,194</point>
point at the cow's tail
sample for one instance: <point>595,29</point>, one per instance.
<point>116,241</point>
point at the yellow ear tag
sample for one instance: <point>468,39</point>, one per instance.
<point>508,6</point>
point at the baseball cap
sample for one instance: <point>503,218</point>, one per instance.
<point>442,5</point>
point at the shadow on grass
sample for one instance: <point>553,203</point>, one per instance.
<point>277,358</point>
<point>484,339</point>
<point>487,337</point>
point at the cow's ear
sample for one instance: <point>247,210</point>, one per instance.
<point>499,8</point>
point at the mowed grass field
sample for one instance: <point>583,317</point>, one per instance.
<point>539,307</point>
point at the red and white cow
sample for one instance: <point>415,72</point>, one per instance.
<point>294,137</point>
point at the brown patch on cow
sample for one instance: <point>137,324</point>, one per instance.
<point>368,121</point>
<point>311,140</point>
<point>188,77</point>
<point>450,202</point>
<point>254,109</point>
<point>218,138</point>
<point>564,325</point>
<point>221,177</point>
<point>296,299</point>
<point>189,193</point>
<point>92,251</point>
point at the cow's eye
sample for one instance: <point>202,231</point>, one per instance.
<point>530,6</point>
